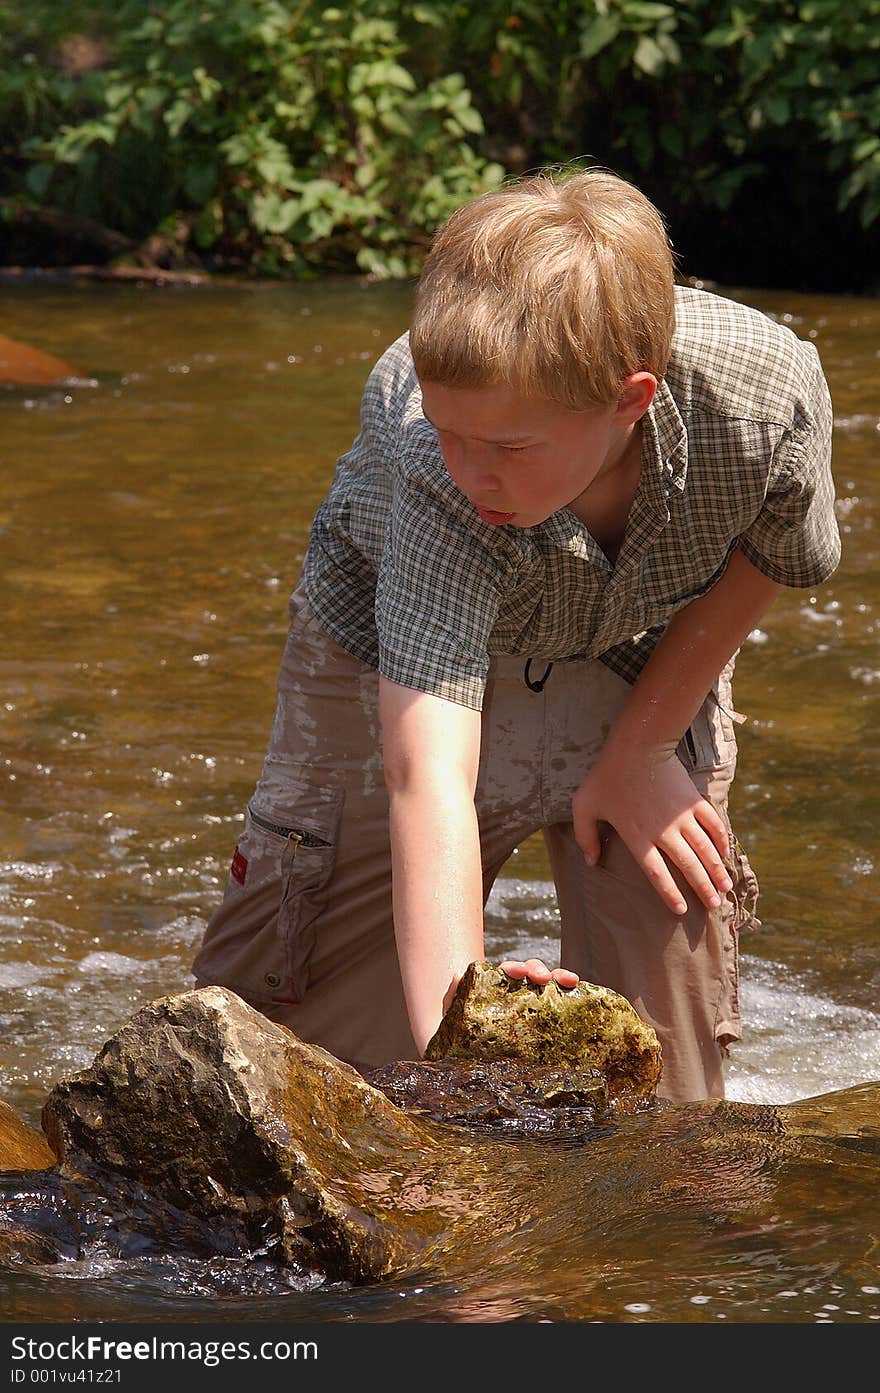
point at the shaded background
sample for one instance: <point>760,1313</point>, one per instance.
<point>298,139</point>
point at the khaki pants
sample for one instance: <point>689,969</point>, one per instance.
<point>305,932</point>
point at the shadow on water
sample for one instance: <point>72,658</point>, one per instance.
<point>154,517</point>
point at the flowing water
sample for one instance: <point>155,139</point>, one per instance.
<point>154,515</point>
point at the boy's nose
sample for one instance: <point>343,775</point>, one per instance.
<point>477,472</point>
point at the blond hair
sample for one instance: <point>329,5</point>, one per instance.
<point>558,285</point>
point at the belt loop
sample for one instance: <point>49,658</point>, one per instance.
<point>539,685</point>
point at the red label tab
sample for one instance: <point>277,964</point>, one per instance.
<point>291,999</point>
<point>238,870</point>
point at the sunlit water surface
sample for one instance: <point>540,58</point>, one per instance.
<point>154,516</point>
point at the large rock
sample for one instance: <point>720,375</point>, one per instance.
<point>221,1113</point>
<point>202,1129</point>
<point>493,1017</point>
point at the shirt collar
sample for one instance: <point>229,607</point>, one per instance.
<point>664,439</point>
<point>664,467</point>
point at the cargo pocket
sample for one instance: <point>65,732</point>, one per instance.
<point>292,854</point>
<point>307,836</point>
<point>710,740</point>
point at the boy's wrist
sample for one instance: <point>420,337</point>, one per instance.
<point>634,742</point>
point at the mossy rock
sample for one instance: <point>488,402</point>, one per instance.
<point>493,1017</point>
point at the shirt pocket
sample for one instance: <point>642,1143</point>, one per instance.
<point>293,843</point>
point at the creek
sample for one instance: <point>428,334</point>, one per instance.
<point>154,516</point>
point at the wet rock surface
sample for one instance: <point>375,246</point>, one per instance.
<point>507,1095</point>
<point>21,1147</point>
<point>587,1027</point>
<point>203,1130</point>
<point>224,1115</point>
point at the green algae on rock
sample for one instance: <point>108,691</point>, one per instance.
<point>493,1017</point>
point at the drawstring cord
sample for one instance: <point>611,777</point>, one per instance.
<point>539,685</point>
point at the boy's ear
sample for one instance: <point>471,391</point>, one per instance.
<point>635,397</point>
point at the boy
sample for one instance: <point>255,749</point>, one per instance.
<point>575,491</point>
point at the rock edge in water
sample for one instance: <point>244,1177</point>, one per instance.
<point>217,1112</point>
<point>201,1123</point>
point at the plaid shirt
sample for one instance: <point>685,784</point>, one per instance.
<point>736,451</point>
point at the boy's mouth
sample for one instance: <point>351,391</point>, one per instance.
<point>494,519</point>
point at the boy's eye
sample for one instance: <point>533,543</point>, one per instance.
<point>444,436</point>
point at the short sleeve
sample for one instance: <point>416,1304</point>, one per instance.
<point>439,590</point>
<point>795,538</point>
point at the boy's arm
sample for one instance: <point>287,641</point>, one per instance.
<point>431,751</point>
<point>637,784</point>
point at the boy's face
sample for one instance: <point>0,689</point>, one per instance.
<point>518,459</point>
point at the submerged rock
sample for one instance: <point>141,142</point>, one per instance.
<point>28,366</point>
<point>203,1129</point>
<point>22,1148</point>
<point>25,1157</point>
<point>509,1094</point>
<point>493,1017</point>
<point>221,1113</point>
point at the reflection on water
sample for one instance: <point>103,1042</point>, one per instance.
<point>154,516</point>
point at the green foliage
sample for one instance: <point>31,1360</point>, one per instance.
<point>296,136</point>
<point>283,137</point>
<point>695,99</point>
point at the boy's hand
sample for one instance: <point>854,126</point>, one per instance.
<point>533,970</point>
<point>655,808</point>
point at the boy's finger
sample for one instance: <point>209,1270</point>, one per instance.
<point>532,968</point>
<point>705,849</point>
<point>682,855</point>
<point>588,839</point>
<point>710,820</point>
<point>657,871</point>
<point>536,971</point>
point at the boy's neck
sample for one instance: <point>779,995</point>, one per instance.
<point>604,506</point>
<point>622,457</point>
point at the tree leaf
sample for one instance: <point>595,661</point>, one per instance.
<point>648,56</point>
<point>598,34</point>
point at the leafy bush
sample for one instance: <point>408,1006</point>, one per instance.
<point>694,98</point>
<point>283,137</point>
<point>292,137</point>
